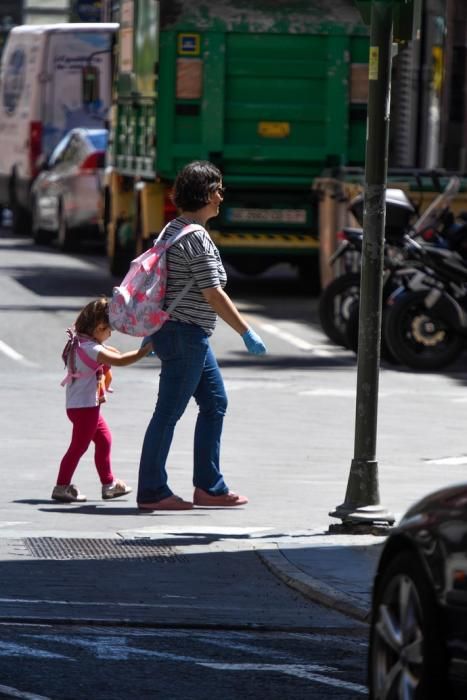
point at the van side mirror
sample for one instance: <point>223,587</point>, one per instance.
<point>89,84</point>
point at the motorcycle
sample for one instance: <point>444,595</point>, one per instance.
<point>339,301</point>
<point>425,320</point>
<point>340,298</point>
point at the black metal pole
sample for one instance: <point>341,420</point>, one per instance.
<point>362,503</point>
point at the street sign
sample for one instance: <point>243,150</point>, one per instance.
<point>85,10</point>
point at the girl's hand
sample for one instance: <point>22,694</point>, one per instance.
<point>122,359</point>
<point>145,349</point>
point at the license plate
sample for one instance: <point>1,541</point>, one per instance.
<point>239,215</point>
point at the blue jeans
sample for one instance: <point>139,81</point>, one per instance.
<point>188,368</point>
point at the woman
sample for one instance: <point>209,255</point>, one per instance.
<point>188,365</point>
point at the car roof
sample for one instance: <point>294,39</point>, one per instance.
<point>64,27</point>
<point>86,133</point>
<point>86,130</point>
<point>97,138</point>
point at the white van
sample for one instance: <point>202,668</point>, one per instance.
<point>52,78</point>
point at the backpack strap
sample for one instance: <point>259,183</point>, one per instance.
<point>179,234</point>
<point>183,232</point>
<point>158,239</point>
<point>73,346</point>
<point>84,357</point>
<point>170,242</point>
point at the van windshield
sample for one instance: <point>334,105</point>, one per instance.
<point>76,60</point>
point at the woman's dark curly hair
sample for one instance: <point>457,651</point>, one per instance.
<point>94,314</point>
<point>194,183</point>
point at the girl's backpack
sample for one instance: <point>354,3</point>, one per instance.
<point>72,349</point>
<point>136,307</point>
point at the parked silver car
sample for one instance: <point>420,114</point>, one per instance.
<point>67,193</point>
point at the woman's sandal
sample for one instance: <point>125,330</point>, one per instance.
<point>223,500</point>
<point>170,503</point>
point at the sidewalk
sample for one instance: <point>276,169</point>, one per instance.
<point>334,570</point>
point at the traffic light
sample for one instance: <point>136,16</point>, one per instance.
<point>406,17</point>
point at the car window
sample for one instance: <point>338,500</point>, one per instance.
<point>98,140</point>
<point>75,151</point>
<point>57,154</point>
<point>71,149</point>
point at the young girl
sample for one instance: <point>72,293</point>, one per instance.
<point>87,360</point>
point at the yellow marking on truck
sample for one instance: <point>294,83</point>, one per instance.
<point>274,130</point>
<point>264,240</point>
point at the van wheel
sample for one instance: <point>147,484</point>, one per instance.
<point>66,236</point>
<point>39,234</point>
<point>20,219</point>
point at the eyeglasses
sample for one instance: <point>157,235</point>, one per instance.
<point>220,190</point>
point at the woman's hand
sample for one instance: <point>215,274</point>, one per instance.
<point>253,342</point>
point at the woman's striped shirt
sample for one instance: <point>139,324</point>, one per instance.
<point>193,256</point>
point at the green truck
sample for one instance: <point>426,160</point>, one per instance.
<point>271,92</point>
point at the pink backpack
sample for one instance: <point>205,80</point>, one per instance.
<point>73,348</point>
<point>136,305</point>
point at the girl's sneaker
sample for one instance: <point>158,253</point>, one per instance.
<point>115,489</point>
<point>68,494</point>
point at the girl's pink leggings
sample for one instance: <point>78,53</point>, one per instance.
<point>88,426</point>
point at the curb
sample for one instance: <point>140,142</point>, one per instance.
<point>311,587</point>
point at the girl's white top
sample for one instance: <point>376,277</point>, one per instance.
<point>83,392</point>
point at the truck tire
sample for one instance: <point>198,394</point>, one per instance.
<point>310,278</point>
<point>122,254</point>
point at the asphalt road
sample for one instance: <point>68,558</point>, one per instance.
<point>215,617</point>
<point>95,626</point>
<point>135,663</point>
<point>288,435</point>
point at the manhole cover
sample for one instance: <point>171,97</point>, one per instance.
<point>74,548</point>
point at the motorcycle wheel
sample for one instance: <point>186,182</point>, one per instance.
<point>335,304</point>
<point>419,337</point>
<point>351,336</point>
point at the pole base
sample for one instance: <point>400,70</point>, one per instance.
<point>375,514</point>
<point>348,528</point>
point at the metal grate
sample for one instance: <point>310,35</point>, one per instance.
<point>74,548</point>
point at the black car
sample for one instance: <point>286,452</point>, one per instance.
<point>418,634</point>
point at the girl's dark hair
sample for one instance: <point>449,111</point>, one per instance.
<point>194,183</point>
<point>94,314</point>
